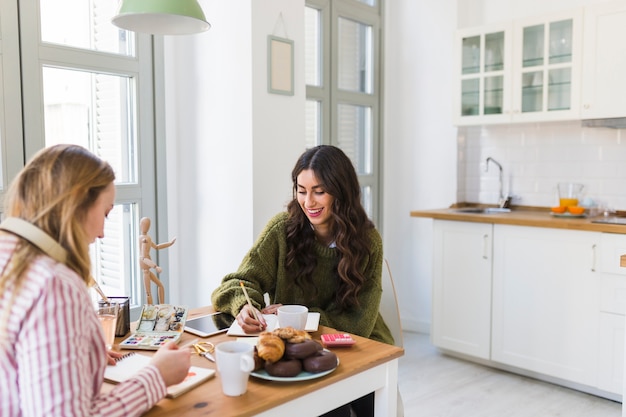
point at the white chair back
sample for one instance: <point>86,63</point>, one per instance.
<point>389,306</point>
<point>391,314</point>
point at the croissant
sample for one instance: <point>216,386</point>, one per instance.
<point>291,335</point>
<point>270,347</point>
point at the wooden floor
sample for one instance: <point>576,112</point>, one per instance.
<point>436,385</point>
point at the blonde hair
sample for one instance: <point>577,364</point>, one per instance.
<point>54,192</point>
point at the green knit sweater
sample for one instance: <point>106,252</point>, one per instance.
<point>263,271</point>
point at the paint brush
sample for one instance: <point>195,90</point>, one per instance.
<point>189,344</point>
<point>94,284</point>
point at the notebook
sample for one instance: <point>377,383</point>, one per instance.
<point>312,324</point>
<point>158,324</point>
<point>128,365</point>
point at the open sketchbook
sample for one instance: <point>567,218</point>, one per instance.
<point>312,323</point>
<point>129,365</point>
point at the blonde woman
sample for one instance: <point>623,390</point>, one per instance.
<point>52,350</point>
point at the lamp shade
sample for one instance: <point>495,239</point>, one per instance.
<point>161,17</point>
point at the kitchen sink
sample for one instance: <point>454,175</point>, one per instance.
<point>483,210</point>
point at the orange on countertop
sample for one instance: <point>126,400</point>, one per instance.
<point>558,209</point>
<point>576,209</point>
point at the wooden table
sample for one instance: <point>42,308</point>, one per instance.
<point>368,366</point>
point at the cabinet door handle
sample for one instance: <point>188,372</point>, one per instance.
<point>593,257</point>
<point>485,246</point>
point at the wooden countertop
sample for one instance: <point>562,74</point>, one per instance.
<point>534,217</point>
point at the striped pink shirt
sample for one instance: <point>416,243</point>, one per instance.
<point>53,357</point>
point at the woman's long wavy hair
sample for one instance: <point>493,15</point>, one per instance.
<point>350,226</point>
<point>54,191</point>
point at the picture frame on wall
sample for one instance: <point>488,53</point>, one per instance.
<point>280,65</point>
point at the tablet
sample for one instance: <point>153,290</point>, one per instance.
<point>210,324</point>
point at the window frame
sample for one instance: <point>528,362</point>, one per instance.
<point>22,127</point>
<point>331,97</point>
<point>11,131</point>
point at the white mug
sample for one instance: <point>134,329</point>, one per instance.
<point>293,316</point>
<point>235,361</point>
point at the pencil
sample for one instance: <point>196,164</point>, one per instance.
<point>245,292</point>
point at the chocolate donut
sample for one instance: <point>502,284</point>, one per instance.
<point>284,367</point>
<point>323,360</point>
<point>301,350</point>
<point>259,362</point>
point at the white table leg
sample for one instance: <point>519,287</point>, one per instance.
<point>386,397</point>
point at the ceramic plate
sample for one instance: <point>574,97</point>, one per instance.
<point>568,215</point>
<point>302,376</point>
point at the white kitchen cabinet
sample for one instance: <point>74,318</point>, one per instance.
<point>483,61</point>
<point>547,65</point>
<point>546,301</point>
<point>527,70</point>
<point>611,353</point>
<point>604,64</point>
<point>550,302</point>
<point>462,287</point>
<point>612,311</point>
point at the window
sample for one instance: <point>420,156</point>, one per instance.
<point>342,72</point>
<point>80,79</point>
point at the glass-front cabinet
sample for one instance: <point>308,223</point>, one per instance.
<point>547,65</point>
<point>484,70</point>
<point>522,71</point>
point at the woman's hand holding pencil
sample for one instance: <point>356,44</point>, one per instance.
<point>249,318</point>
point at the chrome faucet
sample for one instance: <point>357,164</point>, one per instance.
<point>503,202</point>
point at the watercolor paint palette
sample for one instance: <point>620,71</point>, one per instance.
<point>158,324</point>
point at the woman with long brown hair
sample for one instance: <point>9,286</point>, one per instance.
<point>323,252</point>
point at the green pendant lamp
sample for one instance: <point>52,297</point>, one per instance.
<point>161,17</point>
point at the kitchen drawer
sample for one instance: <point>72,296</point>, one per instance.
<point>613,294</point>
<point>612,247</point>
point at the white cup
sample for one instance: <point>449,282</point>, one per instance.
<point>235,361</point>
<point>293,316</point>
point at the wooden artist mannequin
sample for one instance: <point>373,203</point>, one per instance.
<point>146,262</point>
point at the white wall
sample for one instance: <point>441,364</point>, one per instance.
<point>231,145</point>
<point>278,120</point>
<point>419,143</point>
<point>483,12</point>
<point>535,157</point>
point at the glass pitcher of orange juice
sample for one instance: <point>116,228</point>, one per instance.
<point>569,193</point>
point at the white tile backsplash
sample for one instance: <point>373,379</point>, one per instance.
<point>535,157</point>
